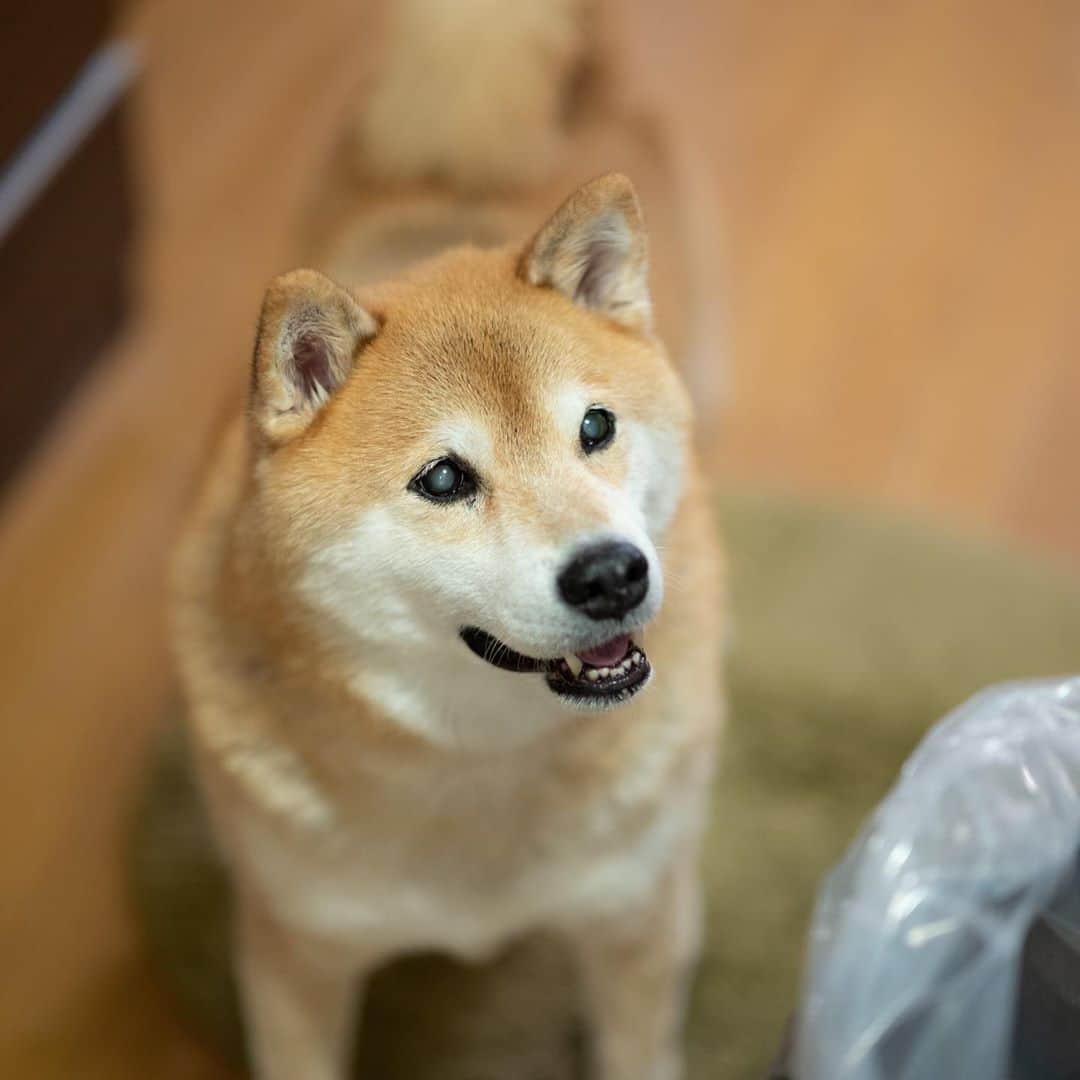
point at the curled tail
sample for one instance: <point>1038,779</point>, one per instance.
<point>474,93</point>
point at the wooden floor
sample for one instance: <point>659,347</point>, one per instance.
<point>898,186</point>
<point>897,183</point>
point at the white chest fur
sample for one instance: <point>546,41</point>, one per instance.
<point>464,860</point>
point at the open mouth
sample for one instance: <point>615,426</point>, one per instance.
<point>606,674</point>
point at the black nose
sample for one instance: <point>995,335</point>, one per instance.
<point>606,580</point>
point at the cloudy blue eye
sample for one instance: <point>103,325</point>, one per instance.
<point>597,429</point>
<point>443,481</point>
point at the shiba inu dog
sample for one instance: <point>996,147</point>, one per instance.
<point>447,617</point>
<point>448,608</point>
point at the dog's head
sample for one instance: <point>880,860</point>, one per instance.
<point>464,475</point>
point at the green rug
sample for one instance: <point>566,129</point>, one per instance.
<point>852,633</point>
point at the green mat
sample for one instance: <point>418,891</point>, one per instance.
<point>852,632</point>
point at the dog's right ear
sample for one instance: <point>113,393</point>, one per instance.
<point>309,333</point>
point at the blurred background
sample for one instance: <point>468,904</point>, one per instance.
<point>896,243</point>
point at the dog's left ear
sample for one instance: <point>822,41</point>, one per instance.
<point>594,250</point>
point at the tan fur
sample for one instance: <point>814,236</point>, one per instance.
<point>355,833</point>
<point>474,93</point>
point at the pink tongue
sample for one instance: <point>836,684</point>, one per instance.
<point>611,652</point>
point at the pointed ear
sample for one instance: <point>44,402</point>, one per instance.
<point>594,250</point>
<point>309,331</point>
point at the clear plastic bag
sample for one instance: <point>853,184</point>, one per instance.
<point>946,945</point>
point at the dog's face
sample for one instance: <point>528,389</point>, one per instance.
<point>467,474</point>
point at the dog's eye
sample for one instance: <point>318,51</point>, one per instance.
<point>597,429</point>
<point>443,481</point>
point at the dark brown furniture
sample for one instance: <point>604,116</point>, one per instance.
<point>63,281</point>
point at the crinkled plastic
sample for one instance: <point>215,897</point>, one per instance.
<point>946,945</point>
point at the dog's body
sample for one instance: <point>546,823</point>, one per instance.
<point>444,486</point>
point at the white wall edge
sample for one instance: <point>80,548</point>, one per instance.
<point>101,82</point>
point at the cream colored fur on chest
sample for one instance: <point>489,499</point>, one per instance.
<point>479,852</point>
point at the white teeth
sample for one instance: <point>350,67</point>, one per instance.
<point>576,668</point>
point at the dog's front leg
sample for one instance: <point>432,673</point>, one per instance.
<point>298,995</point>
<point>636,967</point>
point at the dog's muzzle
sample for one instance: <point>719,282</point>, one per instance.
<point>600,676</point>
